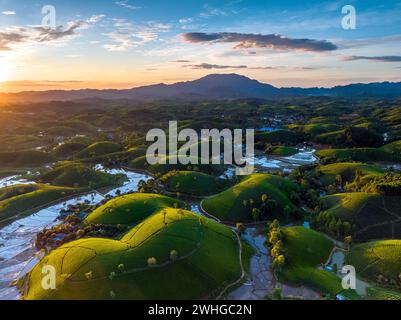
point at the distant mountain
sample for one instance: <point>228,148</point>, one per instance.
<point>213,86</point>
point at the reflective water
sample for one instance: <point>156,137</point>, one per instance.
<point>17,240</point>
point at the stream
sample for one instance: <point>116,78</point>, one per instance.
<point>18,254</point>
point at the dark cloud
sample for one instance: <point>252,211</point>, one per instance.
<point>39,34</point>
<point>377,59</point>
<point>209,66</point>
<point>250,40</point>
<point>182,61</point>
<point>213,66</point>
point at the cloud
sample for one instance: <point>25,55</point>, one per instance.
<point>128,35</point>
<point>250,40</point>
<point>14,36</point>
<point>9,13</point>
<point>376,59</point>
<point>186,20</point>
<point>182,61</point>
<point>208,66</point>
<point>125,4</point>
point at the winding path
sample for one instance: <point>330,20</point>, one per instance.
<point>242,269</point>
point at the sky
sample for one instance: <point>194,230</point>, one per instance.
<point>130,43</point>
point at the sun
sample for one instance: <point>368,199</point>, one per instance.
<point>4,72</point>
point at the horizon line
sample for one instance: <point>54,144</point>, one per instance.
<point>161,83</point>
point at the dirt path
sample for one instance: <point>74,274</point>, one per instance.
<point>243,273</point>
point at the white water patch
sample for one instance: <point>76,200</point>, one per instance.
<point>268,129</point>
<point>287,164</point>
<point>228,174</point>
<point>304,156</point>
<point>18,254</point>
<point>269,163</point>
<point>14,180</point>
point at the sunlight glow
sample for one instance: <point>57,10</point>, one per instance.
<point>4,72</point>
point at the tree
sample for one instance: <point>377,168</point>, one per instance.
<point>277,294</point>
<point>278,263</point>
<point>348,240</point>
<point>274,236</point>
<point>240,228</point>
<point>255,214</point>
<point>287,212</point>
<point>152,261</point>
<point>347,228</point>
<point>277,249</point>
<point>274,225</point>
<point>264,198</point>
<point>173,255</point>
<point>339,227</point>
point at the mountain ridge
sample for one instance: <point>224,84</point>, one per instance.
<point>210,87</point>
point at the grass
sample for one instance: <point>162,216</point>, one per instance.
<point>158,168</point>
<point>284,151</point>
<point>331,138</point>
<point>19,142</point>
<point>393,148</point>
<point>61,131</point>
<point>68,149</point>
<point>377,293</point>
<point>314,129</point>
<point>98,268</point>
<point>305,250</point>
<point>191,182</point>
<point>78,175</point>
<point>286,137</point>
<point>376,258</point>
<point>347,171</point>
<point>24,159</point>
<point>21,199</point>
<point>130,209</point>
<point>372,215</point>
<point>229,205</point>
<point>356,154</point>
<point>99,149</point>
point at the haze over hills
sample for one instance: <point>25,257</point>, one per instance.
<point>213,86</point>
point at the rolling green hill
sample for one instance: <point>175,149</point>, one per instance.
<point>20,199</point>
<point>347,171</point>
<point>388,152</point>
<point>356,154</point>
<point>229,205</point>
<point>283,151</point>
<point>130,209</point>
<point>99,149</point>
<point>374,216</point>
<point>24,159</point>
<point>377,259</point>
<point>173,254</point>
<point>158,168</point>
<point>77,175</point>
<point>68,149</point>
<point>305,249</point>
<point>191,182</point>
